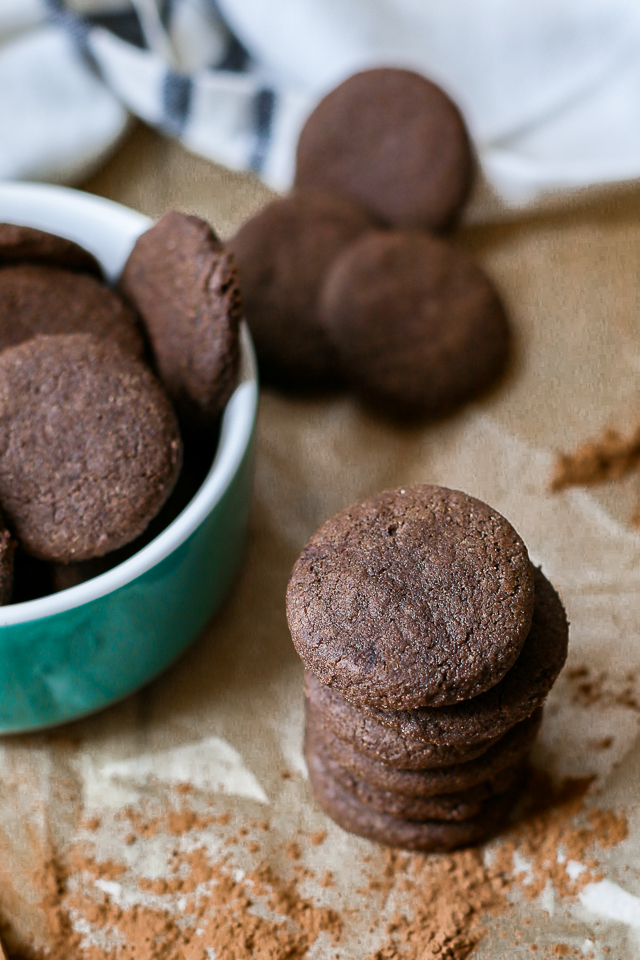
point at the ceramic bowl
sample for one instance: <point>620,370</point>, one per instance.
<point>74,652</point>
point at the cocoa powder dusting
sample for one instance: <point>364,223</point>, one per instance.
<point>198,908</point>
<point>608,457</point>
<point>453,895</point>
<point>206,905</point>
<point>588,688</point>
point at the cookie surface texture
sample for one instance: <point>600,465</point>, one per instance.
<point>393,142</point>
<point>429,836</point>
<point>37,299</point>
<point>282,255</point>
<point>420,595</point>
<point>448,806</point>
<point>507,754</point>
<point>418,325</point>
<point>185,288</point>
<point>66,575</point>
<point>519,693</point>
<point>89,446</point>
<point>28,245</point>
<point>379,741</point>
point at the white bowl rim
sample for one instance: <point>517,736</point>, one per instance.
<point>36,205</point>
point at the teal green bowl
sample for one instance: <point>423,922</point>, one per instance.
<point>74,652</point>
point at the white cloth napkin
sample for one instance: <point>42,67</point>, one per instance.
<point>550,88</point>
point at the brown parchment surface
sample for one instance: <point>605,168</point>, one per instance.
<point>228,717</point>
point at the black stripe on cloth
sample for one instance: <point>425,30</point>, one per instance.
<point>263,105</point>
<point>177,90</point>
<point>215,6</point>
<point>165,11</point>
<point>74,25</point>
<point>236,58</point>
<point>125,25</point>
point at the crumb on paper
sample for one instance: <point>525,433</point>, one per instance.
<point>589,688</point>
<point>212,900</point>
<point>608,457</point>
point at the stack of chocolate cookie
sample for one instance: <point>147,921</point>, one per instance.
<point>346,280</point>
<point>430,643</point>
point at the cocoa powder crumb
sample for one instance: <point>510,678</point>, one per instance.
<point>215,915</point>
<point>454,894</point>
<point>204,904</point>
<point>103,870</point>
<point>181,821</point>
<point>589,689</point>
<point>608,457</point>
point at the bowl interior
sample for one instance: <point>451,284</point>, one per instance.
<point>109,230</point>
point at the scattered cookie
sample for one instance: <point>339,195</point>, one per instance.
<point>416,596</point>
<point>417,325</point>
<point>89,446</point>
<point>282,255</point>
<point>519,693</point>
<point>36,299</point>
<point>184,286</point>
<point>27,245</point>
<point>393,142</point>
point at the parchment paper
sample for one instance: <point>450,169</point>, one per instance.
<point>229,716</point>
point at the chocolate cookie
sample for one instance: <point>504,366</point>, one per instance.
<point>89,446</point>
<point>393,142</point>
<point>7,549</point>
<point>282,255</point>
<point>28,245</point>
<point>420,595</point>
<point>448,806</point>
<point>195,468</point>
<point>336,715</point>
<point>40,299</point>
<point>429,836</point>
<point>185,288</point>
<point>518,694</point>
<point>508,752</point>
<point>417,324</point>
